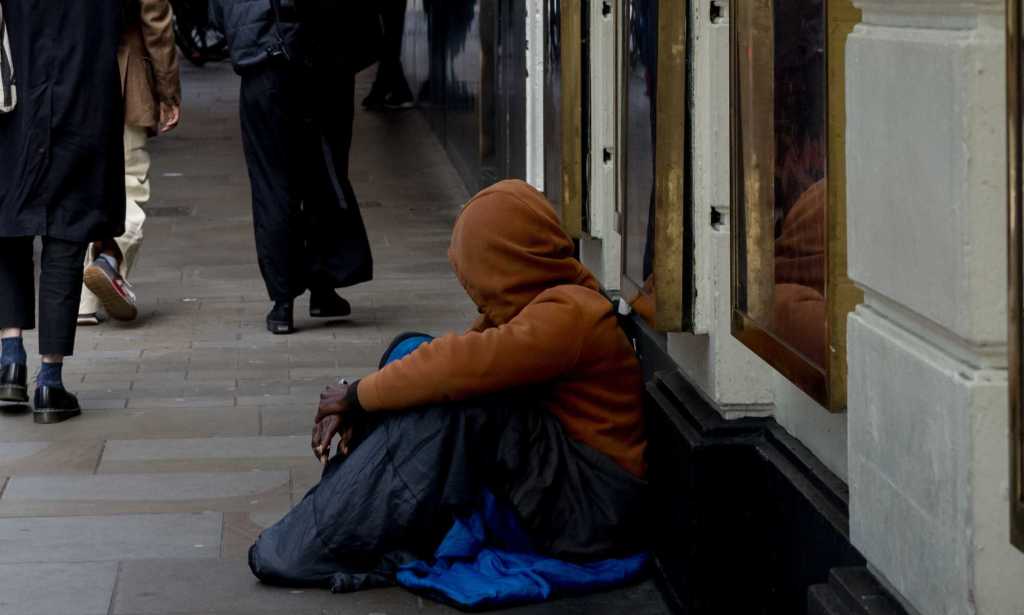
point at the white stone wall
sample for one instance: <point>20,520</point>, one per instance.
<point>731,377</point>
<point>927,418</point>
<point>601,252</point>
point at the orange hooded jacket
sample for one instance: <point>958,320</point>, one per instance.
<point>544,326</point>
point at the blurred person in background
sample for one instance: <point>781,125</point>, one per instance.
<point>61,179</point>
<point>298,60</point>
<point>390,89</point>
<point>151,84</point>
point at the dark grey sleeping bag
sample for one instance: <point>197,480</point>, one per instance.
<point>397,494</point>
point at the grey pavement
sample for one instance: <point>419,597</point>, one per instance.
<point>196,423</point>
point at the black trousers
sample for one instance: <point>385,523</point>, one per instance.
<point>389,72</point>
<point>297,131</point>
<point>60,288</point>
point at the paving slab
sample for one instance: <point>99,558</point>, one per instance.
<point>49,589</point>
<point>226,587</point>
<point>242,529</point>
<point>110,538</point>
<point>168,587</point>
<point>287,421</point>
<point>132,424</point>
<point>144,493</point>
<point>27,458</point>
<point>206,454</point>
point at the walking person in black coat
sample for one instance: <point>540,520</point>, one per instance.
<point>61,179</point>
<point>297,94</point>
<point>390,88</point>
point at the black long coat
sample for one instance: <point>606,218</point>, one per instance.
<point>61,149</point>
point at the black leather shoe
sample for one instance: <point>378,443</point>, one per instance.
<point>327,304</point>
<point>54,404</point>
<point>280,320</point>
<point>14,383</point>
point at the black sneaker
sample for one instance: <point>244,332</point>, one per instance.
<point>280,320</point>
<point>327,304</point>
<point>114,292</point>
<point>54,404</point>
<point>14,383</point>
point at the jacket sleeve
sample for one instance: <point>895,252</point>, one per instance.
<point>216,16</point>
<point>540,344</point>
<point>158,34</point>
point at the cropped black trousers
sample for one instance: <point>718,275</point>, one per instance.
<point>60,288</point>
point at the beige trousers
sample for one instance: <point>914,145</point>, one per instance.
<point>136,184</point>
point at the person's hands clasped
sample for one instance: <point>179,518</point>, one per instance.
<point>335,416</point>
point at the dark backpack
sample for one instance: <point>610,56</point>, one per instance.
<point>344,35</point>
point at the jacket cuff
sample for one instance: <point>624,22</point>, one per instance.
<point>352,398</point>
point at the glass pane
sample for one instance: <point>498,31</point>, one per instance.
<point>553,103</point>
<point>781,99</point>
<point>423,59</point>
<point>641,56</point>
<point>463,79</point>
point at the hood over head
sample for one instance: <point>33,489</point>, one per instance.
<point>508,247</point>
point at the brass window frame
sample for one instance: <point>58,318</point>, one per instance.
<point>630,289</point>
<point>571,28</point>
<point>825,384</point>
<point>1015,211</point>
<point>671,107</point>
<point>672,310</point>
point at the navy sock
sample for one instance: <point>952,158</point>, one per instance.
<point>50,375</point>
<point>13,351</point>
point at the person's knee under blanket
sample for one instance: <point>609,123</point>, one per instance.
<point>540,402</point>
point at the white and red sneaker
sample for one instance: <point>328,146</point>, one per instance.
<point>114,292</point>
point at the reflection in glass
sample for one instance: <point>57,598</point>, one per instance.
<point>463,81</point>
<point>781,188</point>
<point>553,103</point>
<point>640,94</point>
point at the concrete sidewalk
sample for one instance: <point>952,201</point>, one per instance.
<point>196,426</point>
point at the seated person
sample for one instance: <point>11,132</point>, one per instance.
<point>539,404</point>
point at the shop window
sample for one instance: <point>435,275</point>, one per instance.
<point>791,295</point>
<point>654,158</point>
<point>1015,82</point>
<point>553,78</point>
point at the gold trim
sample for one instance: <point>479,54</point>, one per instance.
<point>669,187</point>
<point>756,155</point>
<point>752,230</point>
<point>1015,210</point>
<point>843,296</point>
<point>791,364</point>
<point>572,117</point>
